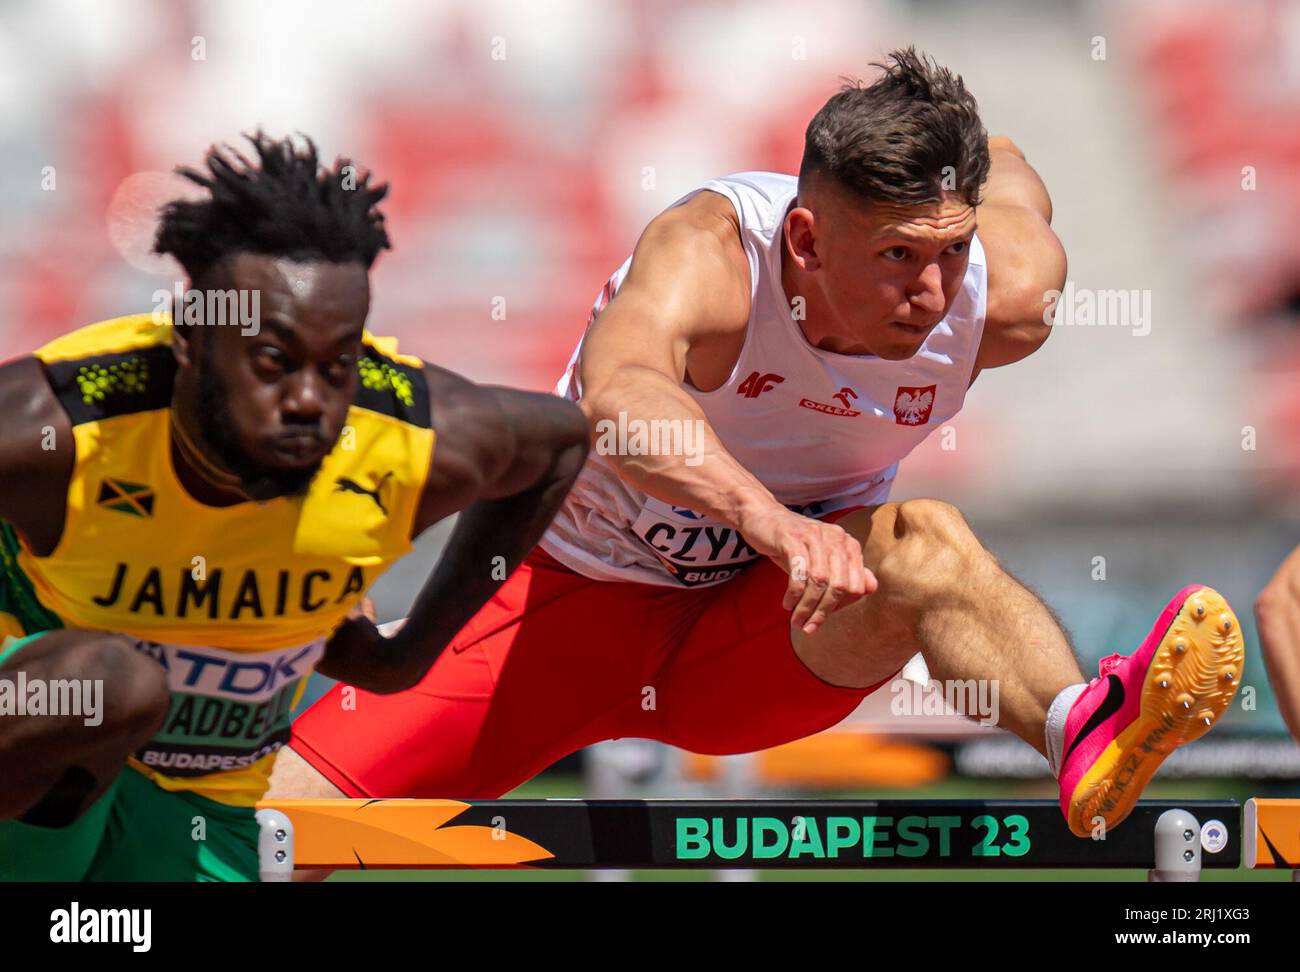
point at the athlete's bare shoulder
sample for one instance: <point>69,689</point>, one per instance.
<point>692,254</point>
<point>711,217</point>
<point>468,423</point>
<point>37,453</point>
<point>1026,260</point>
<point>487,437</point>
<point>684,305</point>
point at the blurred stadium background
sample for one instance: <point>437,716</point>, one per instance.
<point>527,143</point>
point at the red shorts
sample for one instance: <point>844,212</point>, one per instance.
<point>557,661</point>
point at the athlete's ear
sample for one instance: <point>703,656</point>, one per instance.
<point>799,231</point>
<point>183,349</point>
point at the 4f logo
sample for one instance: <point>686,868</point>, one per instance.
<point>756,384</point>
<point>846,395</point>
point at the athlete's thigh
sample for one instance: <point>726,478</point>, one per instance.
<point>529,679</point>
<point>736,685</point>
<point>914,549</point>
<point>34,853</point>
<point>157,835</point>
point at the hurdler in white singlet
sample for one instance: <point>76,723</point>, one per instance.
<point>822,431</point>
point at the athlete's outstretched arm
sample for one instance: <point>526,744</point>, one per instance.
<point>1278,612</point>
<point>688,288</point>
<point>505,459</point>
<point>1026,261</point>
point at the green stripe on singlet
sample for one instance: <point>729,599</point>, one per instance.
<point>17,596</point>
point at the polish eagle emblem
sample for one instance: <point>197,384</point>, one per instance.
<point>912,406</point>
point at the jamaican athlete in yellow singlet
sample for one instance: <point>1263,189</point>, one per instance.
<point>235,602</point>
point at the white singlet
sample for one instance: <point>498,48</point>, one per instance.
<point>822,431</point>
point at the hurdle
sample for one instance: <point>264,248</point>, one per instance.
<point>1165,838</point>
<point>1271,834</point>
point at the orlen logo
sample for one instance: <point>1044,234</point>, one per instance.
<point>756,384</point>
<point>846,395</point>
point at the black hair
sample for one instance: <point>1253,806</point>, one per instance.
<point>895,140</point>
<point>284,203</point>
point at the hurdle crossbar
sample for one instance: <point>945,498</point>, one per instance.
<point>592,834</point>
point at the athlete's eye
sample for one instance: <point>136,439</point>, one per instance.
<point>270,360</point>
<point>897,254</point>
<point>959,247</point>
<point>341,367</point>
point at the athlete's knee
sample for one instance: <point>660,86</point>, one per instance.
<point>130,686</point>
<point>141,693</point>
<point>935,521</point>
<point>937,527</point>
<point>932,544</point>
<point>136,693</point>
<point>55,763</point>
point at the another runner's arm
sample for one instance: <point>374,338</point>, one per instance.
<point>688,288</point>
<point>504,459</point>
<point>37,452</point>
<point>1278,613</point>
<point>1026,261</point>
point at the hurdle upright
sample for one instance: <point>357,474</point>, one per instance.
<point>1271,835</point>
<point>1172,841</point>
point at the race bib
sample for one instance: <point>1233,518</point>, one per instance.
<point>697,550</point>
<point>228,708</point>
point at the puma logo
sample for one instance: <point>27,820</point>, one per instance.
<point>345,485</point>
